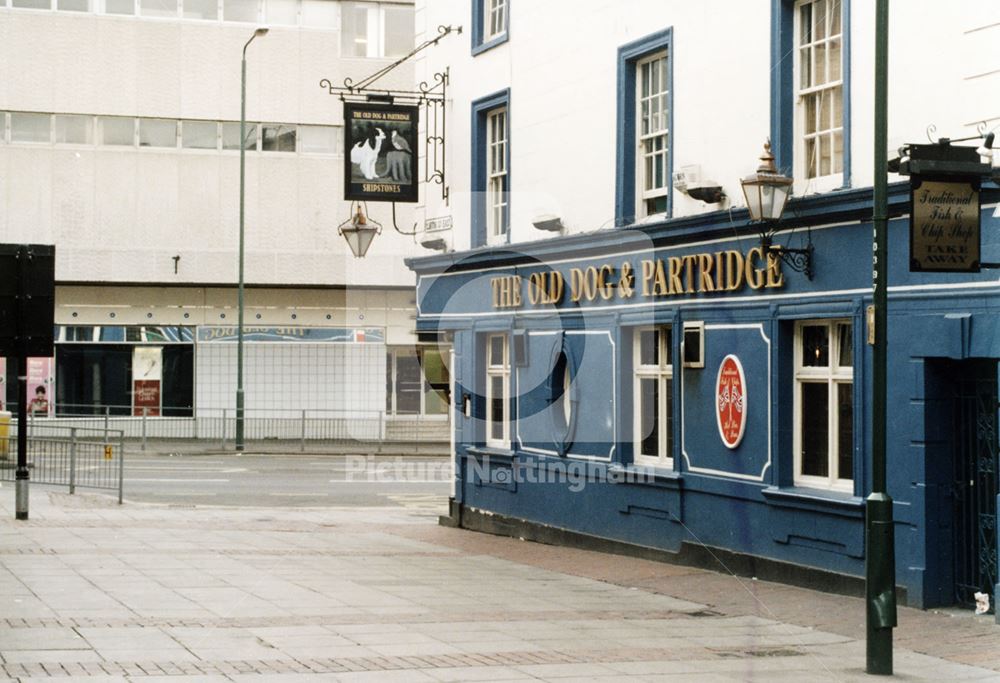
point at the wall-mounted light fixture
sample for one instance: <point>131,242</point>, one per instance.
<point>767,192</point>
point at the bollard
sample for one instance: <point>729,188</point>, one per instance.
<point>302,445</point>
<point>72,460</point>
<point>121,466</point>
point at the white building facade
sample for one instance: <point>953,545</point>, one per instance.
<point>120,145</point>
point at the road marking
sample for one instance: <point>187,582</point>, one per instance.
<point>298,494</point>
<point>141,468</point>
<point>180,481</point>
<point>389,481</point>
<point>160,461</point>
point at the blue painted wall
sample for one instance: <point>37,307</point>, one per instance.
<point>742,499</point>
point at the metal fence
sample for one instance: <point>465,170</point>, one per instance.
<point>288,426</point>
<point>68,456</point>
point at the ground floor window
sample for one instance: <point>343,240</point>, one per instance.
<point>824,404</point>
<point>121,370</point>
<point>652,395</point>
<point>416,381</point>
<point>497,390</point>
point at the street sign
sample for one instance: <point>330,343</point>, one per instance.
<point>27,299</point>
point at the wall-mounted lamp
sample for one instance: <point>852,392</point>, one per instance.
<point>767,192</point>
<point>359,231</point>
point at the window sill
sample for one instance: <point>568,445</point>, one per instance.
<point>645,475</point>
<point>492,43</point>
<point>501,455</point>
<point>816,500</point>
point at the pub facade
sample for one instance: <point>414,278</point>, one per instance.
<point>684,382</point>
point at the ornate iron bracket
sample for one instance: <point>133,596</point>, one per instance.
<point>431,97</point>
<point>799,260</point>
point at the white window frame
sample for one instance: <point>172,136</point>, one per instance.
<point>494,19</point>
<point>661,133</point>
<point>494,370</point>
<point>663,374</point>
<point>497,184</point>
<point>833,375</point>
<point>808,171</point>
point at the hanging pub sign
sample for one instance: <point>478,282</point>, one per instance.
<point>944,205</point>
<point>944,225</point>
<point>380,160</point>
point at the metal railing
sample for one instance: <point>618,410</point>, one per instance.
<point>289,426</point>
<point>69,456</point>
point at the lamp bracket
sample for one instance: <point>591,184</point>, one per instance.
<point>799,260</point>
<point>401,232</point>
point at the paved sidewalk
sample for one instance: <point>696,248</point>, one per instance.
<point>95,592</point>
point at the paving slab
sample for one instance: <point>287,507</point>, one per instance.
<point>148,592</point>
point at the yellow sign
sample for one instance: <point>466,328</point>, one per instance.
<point>720,271</point>
<point>109,452</point>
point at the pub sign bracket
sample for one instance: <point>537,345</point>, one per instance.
<point>376,120</point>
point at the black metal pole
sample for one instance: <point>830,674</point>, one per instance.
<point>21,475</point>
<point>21,478</point>
<point>880,574</point>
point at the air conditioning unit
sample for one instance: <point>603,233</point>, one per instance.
<point>548,222</point>
<point>688,176</point>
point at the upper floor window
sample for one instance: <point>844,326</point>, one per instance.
<point>645,135</point>
<point>496,181</point>
<point>369,29</point>
<point>307,13</point>
<point>824,404</point>
<point>121,131</point>
<point>819,88</point>
<point>652,169</point>
<point>652,395</point>
<point>489,24</point>
<point>491,169</point>
<point>495,19</point>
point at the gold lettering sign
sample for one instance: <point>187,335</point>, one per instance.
<point>944,227</point>
<point>704,273</point>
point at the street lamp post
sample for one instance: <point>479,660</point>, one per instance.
<point>260,31</point>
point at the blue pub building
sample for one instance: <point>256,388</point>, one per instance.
<point>696,386</point>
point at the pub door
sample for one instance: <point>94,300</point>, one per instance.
<point>975,479</point>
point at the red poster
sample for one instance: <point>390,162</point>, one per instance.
<point>731,401</point>
<point>146,395</point>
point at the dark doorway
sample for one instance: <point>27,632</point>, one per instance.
<point>975,479</point>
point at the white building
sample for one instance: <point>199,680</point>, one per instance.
<point>555,67</point>
<point>120,145</point>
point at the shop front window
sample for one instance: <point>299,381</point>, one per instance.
<point>416,382</point>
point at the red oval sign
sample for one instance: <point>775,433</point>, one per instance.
<point>731,401</point>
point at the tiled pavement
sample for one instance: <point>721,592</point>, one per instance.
<point>94,592</point>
